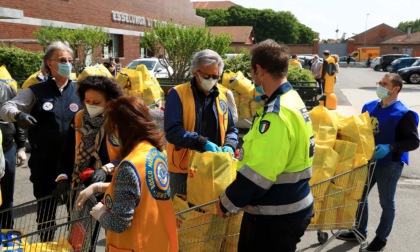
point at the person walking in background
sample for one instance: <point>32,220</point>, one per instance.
<point>395,131</point>
<point>47,110</point>
<point>348,60</point>
<point>295,61</point>
<point>137,213</point>
<point>368,61</point>
<point>316,69</point>
<point>14,154</point>
<point>197,117</point>
<point>272,186</point>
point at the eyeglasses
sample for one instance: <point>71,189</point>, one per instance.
<point>208,76</point>
<point>64,60</point>
<point>382,84</point>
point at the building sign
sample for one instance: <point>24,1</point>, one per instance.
<point>122,17</point>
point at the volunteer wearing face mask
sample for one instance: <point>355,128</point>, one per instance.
<point>46,110</point>
<point>395,132</point>
<point>197,117</point>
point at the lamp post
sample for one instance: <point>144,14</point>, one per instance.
<point>367,15</point>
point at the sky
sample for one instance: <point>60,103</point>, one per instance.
<point>348,16</point>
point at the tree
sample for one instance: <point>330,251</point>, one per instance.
<point>415,26</point>
<point>177,44</point>
<point>281,26</point>
<point>86,41</point>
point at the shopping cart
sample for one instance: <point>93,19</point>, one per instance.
<point>70,230</point>
<point>336,202</point>
<point>198,230</point>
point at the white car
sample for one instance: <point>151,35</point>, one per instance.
<point>375,64</point>
<point>155,66</point>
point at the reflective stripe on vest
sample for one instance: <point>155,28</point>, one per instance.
<point>283,178</point>
<point>281,209</point>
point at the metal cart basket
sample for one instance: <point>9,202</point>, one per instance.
<point>70,230</point>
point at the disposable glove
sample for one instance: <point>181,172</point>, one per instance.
<point>381,150</point>
<point>98,175</point>
<point>211,147</point>
<point>25,121</point>
<point>61,191</point>
<point>228,149</point>
<point>20,157</point>
<point>87,193</point>
<point>98,210</point>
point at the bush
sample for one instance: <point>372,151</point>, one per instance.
<point>297,75</point>
<point>20,62</point>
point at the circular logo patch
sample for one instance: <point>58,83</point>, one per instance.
<point>157,175</point>
<point>108,201</point>
<point>74,107</point>
<point>223,106</point>
<point>47,106</point>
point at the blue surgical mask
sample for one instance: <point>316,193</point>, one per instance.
<point>64,69</point>
<point>382,92</point>
<point>259,88</point>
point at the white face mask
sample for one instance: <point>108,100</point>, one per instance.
<point>207,84</point>
<point>94,111</point>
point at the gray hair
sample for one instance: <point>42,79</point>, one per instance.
<point>58,45</point>
<point>206,58</point>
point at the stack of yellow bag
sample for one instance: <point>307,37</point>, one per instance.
<point>342,144</point>
<point>97,69</point>
<point>244,93</point>
<point>139,82</point>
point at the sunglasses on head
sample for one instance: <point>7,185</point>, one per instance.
<point>64,60</point>
<point>208,76</point>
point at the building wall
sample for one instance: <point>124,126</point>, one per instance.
<point>78,13</point>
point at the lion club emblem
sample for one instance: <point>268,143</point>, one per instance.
<point>157,175</point>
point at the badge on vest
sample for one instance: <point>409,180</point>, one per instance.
<point>47,106</point>
<point>74,107</point>
<point>223,106</point>
<point>108,201</point>
<point>157,175</point>
<point>264,126</point>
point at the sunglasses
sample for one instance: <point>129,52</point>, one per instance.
<point>383,84</point>
<point>208,76</point>
<point>64,60</point>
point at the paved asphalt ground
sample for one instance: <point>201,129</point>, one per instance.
<point>355,86</point>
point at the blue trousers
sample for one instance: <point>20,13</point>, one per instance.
<point>386,178</point>
<point>8,188</point>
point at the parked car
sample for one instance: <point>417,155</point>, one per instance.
<point>411,74</point>
<point>397,64</point>
<point>155,66</point>
<point>386,60</point>
<point>375,63</point>
<point>344,59</point>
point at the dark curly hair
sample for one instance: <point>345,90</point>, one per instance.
<point>129,115</point>
<point>107,86</point>
<point>272,57</point>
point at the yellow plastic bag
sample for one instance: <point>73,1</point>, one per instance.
<point>61,246</point>
<point>334,198</point>
<point>346,215</point>
<point>97,69</point>
<point>153,93</point>
<point>347,151</point>
<point>230,242</point>
<point>358,181</point>
<point>198,230</point>
<point>324,165</point>
<point>17,244</point>
<point>7,78</point>
<point>325,126</point>
<point>145,75</point>
<point>131,81</point>
<point>243,85</point>
<point>209,173</point>
<point>226,77</point>
<point>358,129</point>
<point>31,80</point>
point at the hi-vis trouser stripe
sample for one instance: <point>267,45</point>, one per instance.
<point>283,178</point>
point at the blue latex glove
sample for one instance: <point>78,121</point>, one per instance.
<point>228,149</point>
<point>381,150</point>
<point>211,147</point>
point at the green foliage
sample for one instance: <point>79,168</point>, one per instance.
<point>415,26</point>
<point>85,41</point>
<point>281,26</point>
<point>239,63</point>
<point>177,44</point>
<point>296,75</point>
<point>18,61</point>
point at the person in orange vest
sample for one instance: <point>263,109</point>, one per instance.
<point>197,117</point>
<point>295,61</point>
<point>137,213</point>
